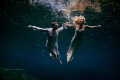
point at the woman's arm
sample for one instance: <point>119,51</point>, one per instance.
<point>69,25</point>
<point>38,28</point>
<point>92,26</point>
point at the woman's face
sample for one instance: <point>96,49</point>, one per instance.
<point>81,20</point>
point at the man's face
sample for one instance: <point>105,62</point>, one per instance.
<point>55,26</point>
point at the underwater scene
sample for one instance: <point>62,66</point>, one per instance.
<point>87,51</point>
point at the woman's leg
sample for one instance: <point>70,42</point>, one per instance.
<point>70,54</point>
<point>72,49</point>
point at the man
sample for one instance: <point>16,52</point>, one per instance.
<point>52,39</point>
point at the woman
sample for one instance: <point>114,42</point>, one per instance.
<point>52,41</point>
<point>77,38</point>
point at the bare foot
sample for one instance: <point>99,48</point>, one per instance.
<point>51,56</point>
<point>60,61</point>
<point>69,58</point>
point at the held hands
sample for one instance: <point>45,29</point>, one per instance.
<point>65,24</point>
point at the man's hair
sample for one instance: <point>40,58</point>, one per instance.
<point>53,24</point>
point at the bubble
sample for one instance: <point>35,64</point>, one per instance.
<point>69,8</point>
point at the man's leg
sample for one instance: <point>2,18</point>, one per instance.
<point>58,56</point>
<point>52,55</point>
<point>55,53</point>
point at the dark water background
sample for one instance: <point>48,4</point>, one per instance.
<point>98,58</point>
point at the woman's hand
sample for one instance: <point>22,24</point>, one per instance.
<point>66,24</point>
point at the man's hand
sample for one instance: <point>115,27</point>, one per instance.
<point>66,24</point>
<point>99,25</point>
<point>30,26</point>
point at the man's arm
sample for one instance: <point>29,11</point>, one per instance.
<point>93,26</point>
<point>38,28</point>
<point>62,28</point>
<point>65,25</point>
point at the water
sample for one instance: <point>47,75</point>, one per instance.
<point>25,57</point>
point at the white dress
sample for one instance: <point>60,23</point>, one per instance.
<point>75,43</point>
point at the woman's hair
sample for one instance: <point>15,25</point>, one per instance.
<point>76,20</point>
<point>53,24</point>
